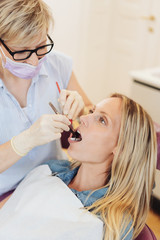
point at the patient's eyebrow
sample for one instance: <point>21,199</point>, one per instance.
<point>104,113</point>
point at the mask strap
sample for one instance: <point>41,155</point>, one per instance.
<point>3,64</point>
<point>2,51</point>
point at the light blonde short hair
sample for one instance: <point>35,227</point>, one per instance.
<point>23,20</point>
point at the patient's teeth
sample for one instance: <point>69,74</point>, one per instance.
<point>76,136</point>
<point>78,139</point>
<point>73,139</point>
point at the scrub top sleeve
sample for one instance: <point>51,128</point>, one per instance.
<point>65,67</point>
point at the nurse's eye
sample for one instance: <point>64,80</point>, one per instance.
<point>91,111</point>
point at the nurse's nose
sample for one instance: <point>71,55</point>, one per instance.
<point>33,59</point>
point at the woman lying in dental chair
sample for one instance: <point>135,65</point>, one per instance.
<point>112,176</point>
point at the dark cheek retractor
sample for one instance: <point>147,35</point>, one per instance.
<point>76,136</point>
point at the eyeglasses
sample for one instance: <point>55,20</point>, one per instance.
<point>24,54</point>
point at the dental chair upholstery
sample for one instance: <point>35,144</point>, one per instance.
<point>146,234</point>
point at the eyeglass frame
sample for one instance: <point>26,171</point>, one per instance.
<point>31,51</point>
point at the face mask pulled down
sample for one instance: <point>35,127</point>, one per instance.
<point>21,70</point>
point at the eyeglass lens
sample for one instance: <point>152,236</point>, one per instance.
<point>40,52</point>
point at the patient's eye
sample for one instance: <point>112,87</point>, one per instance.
<point>102,120</point>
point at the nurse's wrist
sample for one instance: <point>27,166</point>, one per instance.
<point>21,144</point>
<point>19,152</point>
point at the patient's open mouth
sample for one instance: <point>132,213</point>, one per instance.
<point>76,136</point>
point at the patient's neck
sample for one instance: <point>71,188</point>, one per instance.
<point>89,177</point>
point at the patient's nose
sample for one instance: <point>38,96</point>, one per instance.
<point>85,119</point>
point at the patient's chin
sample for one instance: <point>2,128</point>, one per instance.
<point>71,152</point>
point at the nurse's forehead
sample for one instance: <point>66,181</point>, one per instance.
<point>32,43</point>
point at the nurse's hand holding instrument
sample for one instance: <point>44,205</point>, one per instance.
<point>46,129</point>
<point>71,102</point>
<point>49,127</point>
<point>75,134</point>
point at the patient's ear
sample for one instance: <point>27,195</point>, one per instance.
<point>114,150</point>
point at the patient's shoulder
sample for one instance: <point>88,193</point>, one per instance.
<point>58,166</point>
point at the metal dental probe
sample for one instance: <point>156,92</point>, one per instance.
<point>56,112</point>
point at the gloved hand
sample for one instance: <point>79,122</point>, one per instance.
<point>71,103</point>
<point>46,129</point>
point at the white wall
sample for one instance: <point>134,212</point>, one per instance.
<point>81,31</point>
<point>106,39</point>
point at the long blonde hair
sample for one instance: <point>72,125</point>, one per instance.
<point>23,20</point>
<point>132,174</point>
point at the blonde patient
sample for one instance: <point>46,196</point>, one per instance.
<point>118,151</point>
<point>113,167</point>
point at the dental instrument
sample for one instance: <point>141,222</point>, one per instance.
<point>75,134</point>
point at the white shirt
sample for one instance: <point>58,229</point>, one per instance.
<point>14,119</point>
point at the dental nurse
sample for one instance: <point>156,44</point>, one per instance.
<point>29,69</point>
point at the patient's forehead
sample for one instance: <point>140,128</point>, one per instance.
<point>107,103</point>
<point>111,106</point>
